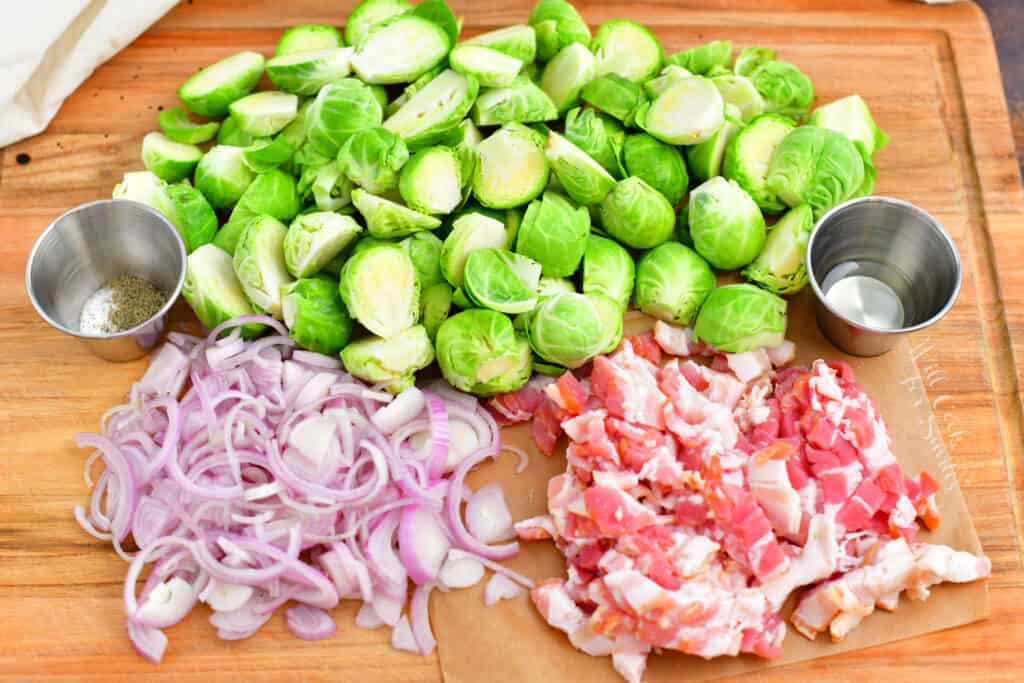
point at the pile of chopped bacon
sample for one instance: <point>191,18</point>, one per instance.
<point>696,499</point>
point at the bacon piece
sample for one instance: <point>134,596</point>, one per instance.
<point>546,427</point>
<point>750,365</point>
<point>858,510</point>
<point>816,561</point>
<point>629,390</point>
<point>782,354</point>
<point>537,528</point>
<point>644,345</point>
<point>673,340</point>
<point>520,405</point>
<point>615,512</point>
<point>768,479</point>
<point>555,605</point>
<point>569,394</point>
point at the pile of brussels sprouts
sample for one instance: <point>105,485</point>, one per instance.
<point>402,195</point>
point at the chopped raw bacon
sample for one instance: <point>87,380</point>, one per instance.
<point>697,499</point>
<point>518,406</point>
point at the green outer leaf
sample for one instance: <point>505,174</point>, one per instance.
<point>424,248</point>
<point>438,12</point>
<point>320,322</point>
<point>519,41</point>
<point>266,155</point>
<point>660,165</point>
<point>436,304</point>
<point>386,219</point>
<point>557,24</point>
<point>748,155</point>
<point>554,234</point>
<point>701,59</point>
<point>608,269</point>
<point>520,102</point>
<point>373,158</point>
<point>175,124</point>
<point>193,216</point>
<point>615,96</point>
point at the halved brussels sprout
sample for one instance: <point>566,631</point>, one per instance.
<point>550,286</point>
<point>519,41</point>
<point>192,216</point>
<point>781,266</point>
<point>816,166</point>
<point>169,160</point>
<point>748,155</point>
<point>661,166</point>
<point>308,38</point>
<point>265,155</point>
<point>331,189</point>
<point>566,74</point>
<point>740,92</point>
<point>616,96</point>
<point>372,159</point>
<point>222,176</point>
<point>315,315</point>
<point>726,226</point>
<point>511,167</point>
<point>600,136</point>
<point>378,284</point>
<point>273,194</point>
<point>750,58</point>
<point>554,234</point>
<point>314,239</point>
<point>370,13</point>
<point>687,113</point>
<point>851,117</point>
<point>231,134</point>
<point>400,49</point>
<point>566,329</point>
<point>424,248</point>
<point>672,281</point>
<point>386,219</point>
<point>435,109</point>
<point>432,181</point>
<point>637,215</point>
<point>265,113</point>
<point>304,73</point>
<point>392,362</point>
<point>211,91</point>
<point>741,318</point>
<point>501,280</point>
<point>582,178</point>
<point>231,232</point>
<point>408,91</point>
<point>522,101</point>
<point>610,314</point>
<point>705,159</point>
<point>608,269</point>
<point>175,124</point>
<point>438,12</point>
<point>628,49</point>
<point>259,263</point>
<point>460,300</point>
<point>480,352</point>
<point>668,77</point>
<point>493,69</point>
<point>435,305</point>
<point>786,89</point>
<point>703,58</point>
<point>213,291</point>
<point>557,24</point>
<point>339,110</point>
<point>470,231</point>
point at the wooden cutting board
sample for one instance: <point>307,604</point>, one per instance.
<point>931,77</point>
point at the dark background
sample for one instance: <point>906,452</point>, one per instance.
<point>1007,20</point>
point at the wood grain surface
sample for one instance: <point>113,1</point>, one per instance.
<point>931,77</point>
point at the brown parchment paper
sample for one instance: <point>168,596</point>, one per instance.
<point>510,643</point>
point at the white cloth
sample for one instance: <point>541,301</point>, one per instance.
<point>49,47</point>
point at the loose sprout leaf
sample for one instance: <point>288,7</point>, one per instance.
<point>490,67</point>
<point>748,155</point>
<point>582,178</point>
<point>704,160</point>
<point>232,135</point>
<point>314,239</point>
<point>424,249</point>
<point>668,77</point>
<point>566,74</point>
<point>379,286</point>
<point>304,73</point>
<point>616,96</point>
<point>175,124</point>
<point>554,234</point>
<point>519,41</point>
<point>522,101</point>
<point>786,89</point>
<point>469,232</point>
<point>608,269</point>
<point>212,90</point>
<point>511,168</point>
<point>392,362</point>
<point>750,58</point>
<point>259,263</point>
<point>222,176</point>
<point>781,266</point>
<point>480,352</point>
<point>816,166</point>
<point>331,189</point>
<point>435,304</point>
<point>231,232</point>
<point>370,13</point>
<point>272,193</point>
<point>308,38</point>
<point>339,110</point>
<point>600,136</point>
<point>192,216</point>
<point>740,318</point>
<point>213,291</point>
<point>557,24</point>
<point>169,160</point>
<point>672,281</point>
<point>661,166</point>
<point>434,110</point>
<point>726,226</point>
<point>400,50</point>
<point>431,181</point>
<point>687,113</point>
<point>566,329</point>
<point>740,92</point>
<point>315,315</point>
<point>703,58</point>
<point>386,219</point>
<point>626,48</point>
<point>373,158</point>
<point>637,215</point>
<point>265,155</point>
<point>501,280</point>
<point>851,117</point>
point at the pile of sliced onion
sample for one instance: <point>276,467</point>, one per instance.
<point>250,474</point>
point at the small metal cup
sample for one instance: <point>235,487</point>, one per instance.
<point>88,246</point>
<point>905,259</point>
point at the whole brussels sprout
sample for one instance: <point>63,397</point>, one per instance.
<point>315,315</point>
<point>660,165</point>
<point>817,166</point>
<point>781,266</point>
<point>554,233</point>
<point>616,96</point>
<point>259,263</point>
<point>400,49</point>
<point>222,176</point>
<point>379,286</point>
<point>608,269</point>
<point>342,108</point>
<point>519,41</point>
<point>600,136</point>
<point>511,168</point>
<point>851,117</point>
<point>431,182</point>
<point>424,248</point>
<point>748,155</point>
<point>386,219</point>
<point>582,178</point>
<point>370,13</point>
<point>435,110</point>
<point>392,362</point>
<point>211,91</point>
<point>566,74</point>
<point>372,158</point>
<point>750,58</point>
<point>480,352</point>
<point>703,58</point>
<point>637,215</point>
<point>557,24</point>
<point>213,291</point>
<point>786,89</point>
<point>314,239</point>
<point>521,101</point>
<point>741,318</point>
<point>726,226</point>
<point>566,329</point>
<point>501,280</point>
<point>672,281</point>
<point>628,49</point>
<point>470,231</point>
<point>688,113</point>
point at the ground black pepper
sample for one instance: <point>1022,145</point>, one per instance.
<point>121,304</point>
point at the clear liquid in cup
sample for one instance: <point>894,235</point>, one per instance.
<point>873,294</point>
